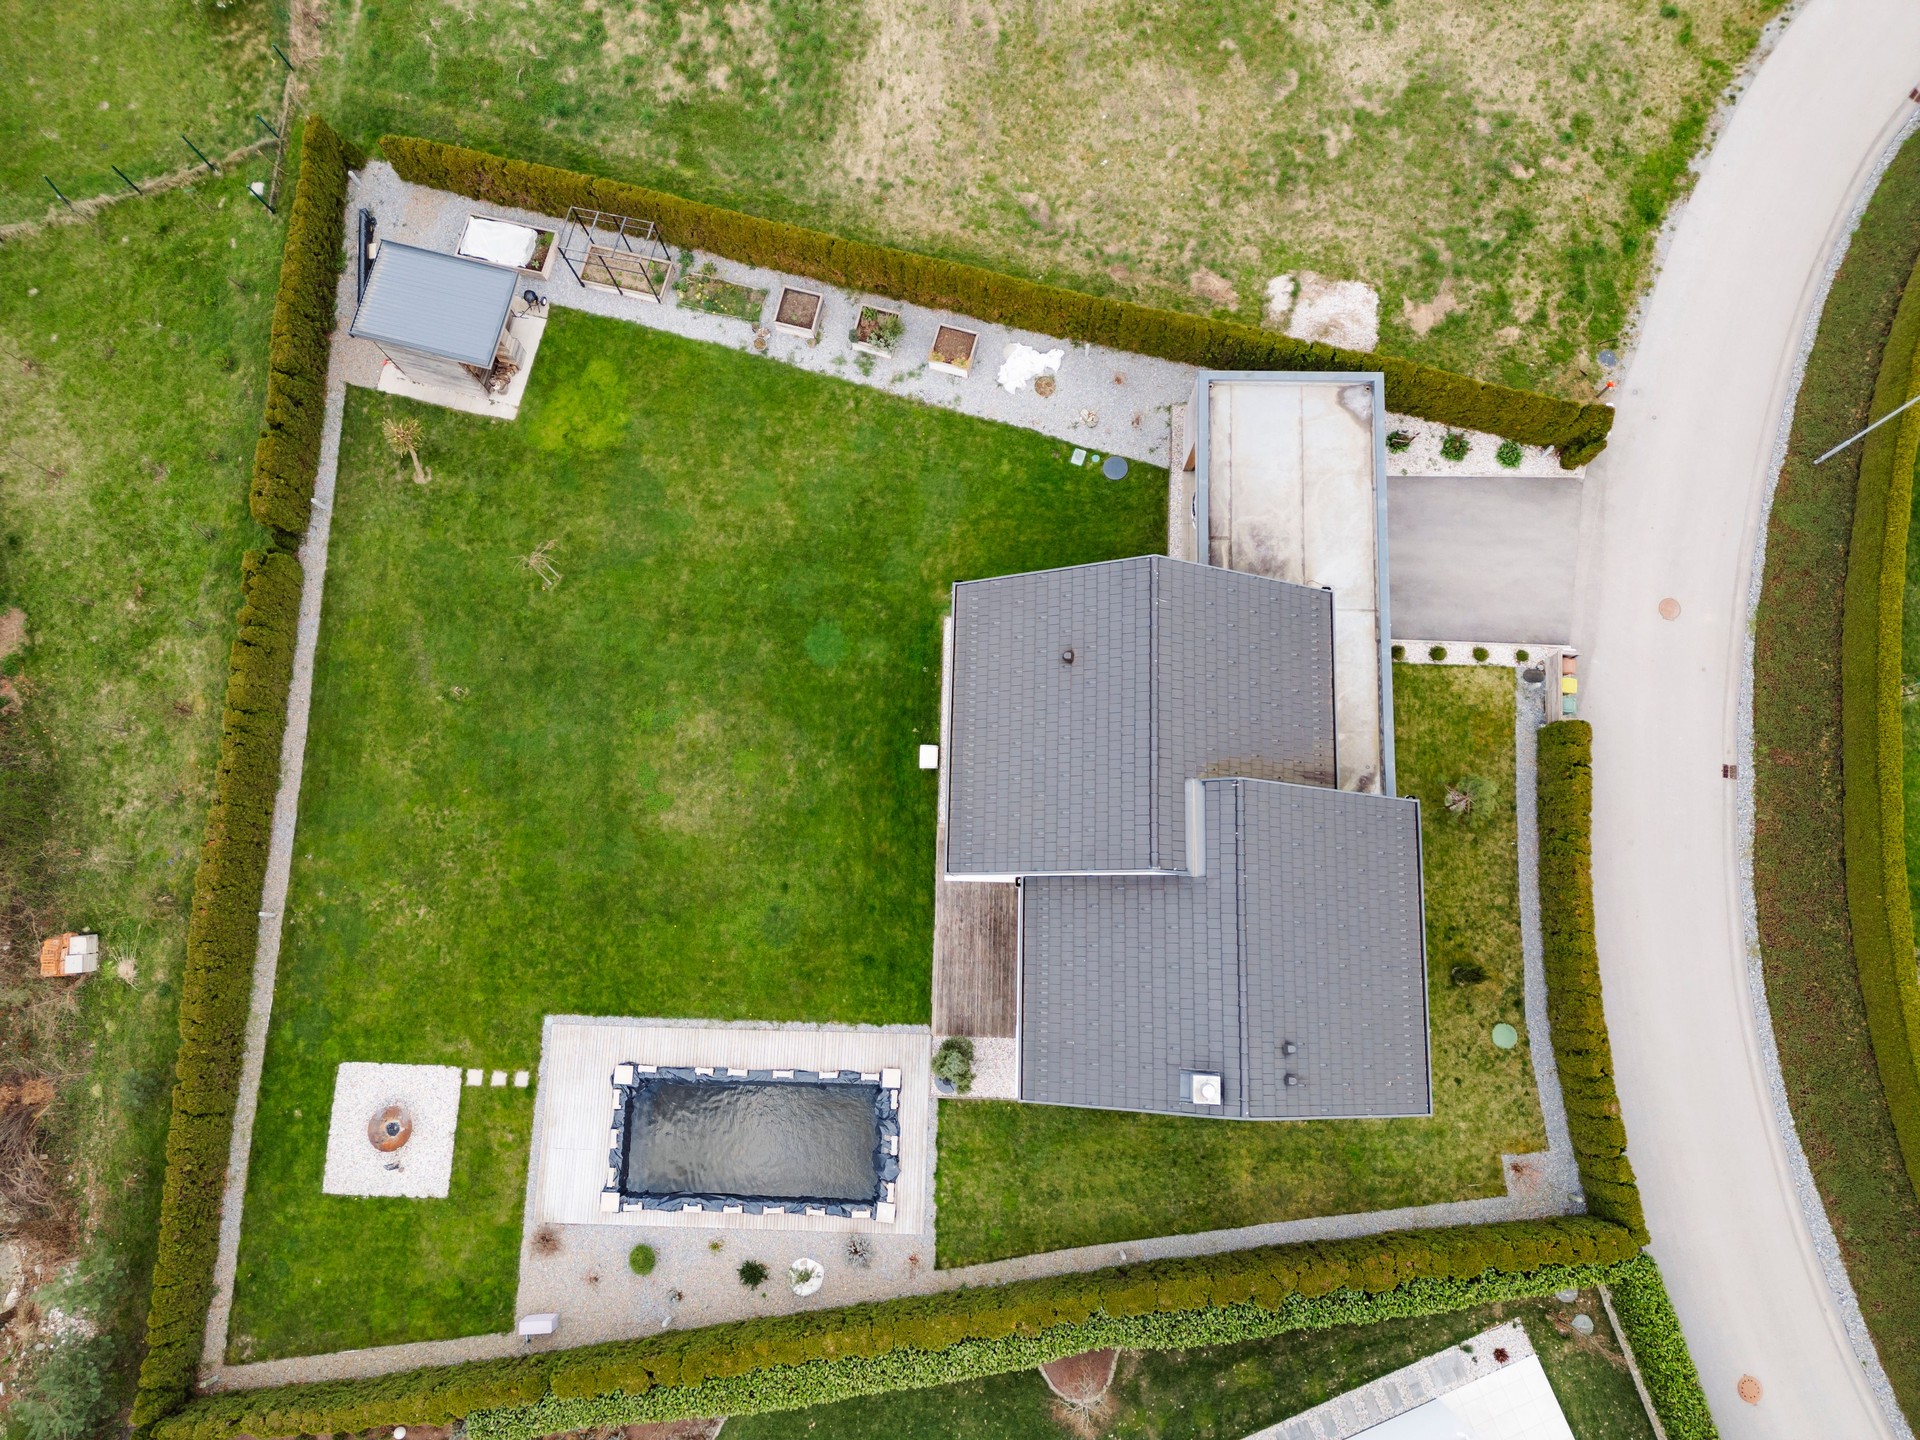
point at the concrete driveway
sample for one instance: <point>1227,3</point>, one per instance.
<point>1681,498</point>
<point>1482,558</point>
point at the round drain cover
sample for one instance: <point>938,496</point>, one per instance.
<point>390,1128</point>
<point>1114,468</point>
<point>1505,1036</point>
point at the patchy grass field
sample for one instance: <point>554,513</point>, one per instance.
<point>1228,1391</point>
<point>132,364</point>
<point>95,83</point>
<point>683,781</point>
<point>1496,174</point>
<point>1015,1179</point>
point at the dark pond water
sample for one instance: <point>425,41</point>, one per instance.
<point>765,1140</point>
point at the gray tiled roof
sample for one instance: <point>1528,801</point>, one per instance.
<point>1179,670</point>
<point>442,304</point>
<point>1307,927</point>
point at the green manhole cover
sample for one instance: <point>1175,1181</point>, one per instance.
<point>1505,1036</point>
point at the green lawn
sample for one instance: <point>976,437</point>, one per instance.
<point>1228,1391</point>
<point>1014,1179</point>
<point>131,378</point>
<point>681,782</point>
<point>1498,176</point>
<point>95,83</point>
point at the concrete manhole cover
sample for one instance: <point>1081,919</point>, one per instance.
<point>1114,468</point>
<point>1505,1036</point>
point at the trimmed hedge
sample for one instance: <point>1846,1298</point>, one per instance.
<point>1577,431</point>
<point>288,454</point>
<point>1574,1009</point>
<point>222,931</point>
<point>1873,757</point>
<point>789,1362</point>
<point>1660,1350</point>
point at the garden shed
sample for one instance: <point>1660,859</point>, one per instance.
<point>441,319</point>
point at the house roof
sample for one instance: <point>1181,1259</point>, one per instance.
<point>440,304</point>
<point>1178,671</point>
<point>1306,928</point>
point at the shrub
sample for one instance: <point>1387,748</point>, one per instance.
<point>1872,677</point>
<point>790,1361</point>
<point>1399,652</point>
<point>1508,454</point>
<point>1575,1011</point>
<point>641,1259</point>
<point>1521,656</point>
<point>288,454</point>
<point>1399,441</point>
<point>1480,653</point>
<point>1472,799</point>
<point>222,930</point>
<point>752,1274</point>
<point>1437,653</point>
<point>1454,446</point>
<point>1660,1350</point>
<point>953,1062</point>
<point>1578,430</point>
<point>1463,975</point>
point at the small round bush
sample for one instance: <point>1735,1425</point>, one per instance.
<point>1437,654</point>
<point>1463,975</point>
<point>1521,656</point>
<point>641,1258</point>
<point>1454,447</point>
<point>752,1274</point>
<point>1508,454</point>
<point>1399,652</point>
<point>1480,653</point>
<point>1399,440</point>
<point>953,1063</point>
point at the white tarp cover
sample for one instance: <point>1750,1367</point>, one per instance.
<point>1024,363</point>
<point>500,241</point>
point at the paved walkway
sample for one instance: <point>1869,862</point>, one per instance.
<point>1681,502</point>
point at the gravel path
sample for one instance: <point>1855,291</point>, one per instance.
<point>1106,400</point>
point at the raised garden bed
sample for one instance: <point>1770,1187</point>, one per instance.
<point>798,312</point>
<point>704,290</point>
<point>877,331</point>
<point>953,350</point>
<point>637,277</point>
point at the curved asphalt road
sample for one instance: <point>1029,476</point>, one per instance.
<point>1678,513</point>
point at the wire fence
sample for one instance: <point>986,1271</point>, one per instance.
<point>256,116</point>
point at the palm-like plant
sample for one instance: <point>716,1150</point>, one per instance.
<point>403,438</point>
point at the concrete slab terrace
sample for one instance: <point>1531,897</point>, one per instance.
<point>1487,558</point>
<point>1291,466</point>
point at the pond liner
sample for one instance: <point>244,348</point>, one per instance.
<point>632,1098</point>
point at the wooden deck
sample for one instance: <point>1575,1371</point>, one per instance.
<point>975,931</point>
<point>976,928</point>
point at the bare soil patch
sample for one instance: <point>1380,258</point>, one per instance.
<point>1081,1379</point>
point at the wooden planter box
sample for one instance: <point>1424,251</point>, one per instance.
<point>798,312</point>
<point>953,350</point>
<point>872,332</point>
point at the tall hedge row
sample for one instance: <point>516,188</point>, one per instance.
<point>1578,431</point>
<point>1873,754</point>
<point>288,454</point>
<point>789,1362</point>
<point>1660,1351</point>
<point>1574,1009</point>
<point>222,929</point>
